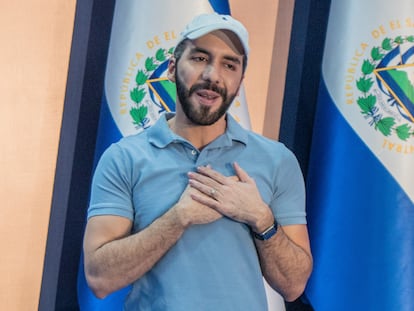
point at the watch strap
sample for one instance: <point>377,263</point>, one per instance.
<point>266,234</point>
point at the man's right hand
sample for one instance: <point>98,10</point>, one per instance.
<point>191,212</point>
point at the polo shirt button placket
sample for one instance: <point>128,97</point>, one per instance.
<point>194,154</point>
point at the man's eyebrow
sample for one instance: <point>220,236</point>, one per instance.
<point>199,50</point>
<point>233,59</point>
<point>204,51</point>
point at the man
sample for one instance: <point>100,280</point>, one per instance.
<point>194,210</point>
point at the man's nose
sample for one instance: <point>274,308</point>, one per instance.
<point>211,73</point>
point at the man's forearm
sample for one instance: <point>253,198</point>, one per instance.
<point>118,263</point>
<point>285,265</point>
<point>114,258</point>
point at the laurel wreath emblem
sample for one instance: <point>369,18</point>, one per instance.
<point>139,110</point>
<point>368,102</point>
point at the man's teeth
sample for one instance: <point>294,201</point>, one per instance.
<point>207,96</point>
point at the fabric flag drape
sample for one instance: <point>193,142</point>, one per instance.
<point>360,184</point>
<point>137,91</point>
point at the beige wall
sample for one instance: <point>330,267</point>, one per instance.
<point>261,41</point>
<point>35,43</point>
<point>269,23</point>
<point>35,38</point>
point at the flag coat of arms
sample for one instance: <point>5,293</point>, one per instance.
<point>361,183</point>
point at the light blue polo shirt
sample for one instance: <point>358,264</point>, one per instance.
<point>213,266</point>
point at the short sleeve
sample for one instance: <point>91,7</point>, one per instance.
<point>289,200</point>
<point>111,190</point>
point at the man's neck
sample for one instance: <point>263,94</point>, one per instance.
<point>199,136</point>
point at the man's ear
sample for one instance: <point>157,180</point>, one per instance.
<point>171,69</point>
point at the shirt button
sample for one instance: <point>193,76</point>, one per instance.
<point>193,152</point>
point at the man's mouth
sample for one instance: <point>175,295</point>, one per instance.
<point>208,94</point>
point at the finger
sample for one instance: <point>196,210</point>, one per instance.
<point>243,176</point>
<point>211,173</point>
<point>209,191</point>
<point>202,179</point>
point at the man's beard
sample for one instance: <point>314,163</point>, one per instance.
<point>202,116</point>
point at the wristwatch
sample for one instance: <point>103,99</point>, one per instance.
<point>267,234</point>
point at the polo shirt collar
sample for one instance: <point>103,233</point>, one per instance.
<point>160,134</point>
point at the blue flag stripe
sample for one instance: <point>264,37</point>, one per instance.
<point>220,6</point>
<point>360,223</point>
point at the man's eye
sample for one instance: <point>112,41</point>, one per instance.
<point>199,58</point>
<point>230,66</point>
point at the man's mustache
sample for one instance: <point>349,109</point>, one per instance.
<point>208,86</point>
